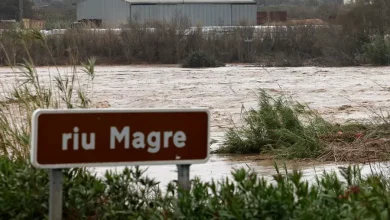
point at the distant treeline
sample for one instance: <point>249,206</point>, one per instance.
<point>358,36</point>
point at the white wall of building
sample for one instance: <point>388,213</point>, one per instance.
<point>199,14</point>
<point>213,13</point>
<point>89,9</point>
<point>115,13</point>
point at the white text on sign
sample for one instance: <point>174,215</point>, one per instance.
<point>138,140</point>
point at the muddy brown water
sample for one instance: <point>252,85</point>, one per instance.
<point>226,91</point>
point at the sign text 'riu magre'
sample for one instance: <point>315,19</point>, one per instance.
<point>104,137</point>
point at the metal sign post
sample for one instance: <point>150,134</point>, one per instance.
<point>55,200</point>
<point>183,177</point>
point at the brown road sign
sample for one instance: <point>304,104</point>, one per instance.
<point>117,137</point>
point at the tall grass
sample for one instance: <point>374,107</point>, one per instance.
<point>31,92</point>
<point>287,129</point>
<point>278,125</point>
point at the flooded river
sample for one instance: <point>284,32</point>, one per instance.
<point>226,91</point>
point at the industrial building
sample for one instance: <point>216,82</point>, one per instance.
<point>114,13</point>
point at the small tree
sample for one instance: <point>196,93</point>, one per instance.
<point>199,59</point>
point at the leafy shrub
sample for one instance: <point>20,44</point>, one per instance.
<point>290,130</point>
<point>280,126</point>
<point>24,193</point>
<point>131,195</point>
<point>249,196</point>
<point>198,59</point>
<point>378,51</point>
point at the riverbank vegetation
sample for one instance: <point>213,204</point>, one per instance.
<point>287,129</point>
<point>347,41</point>
<point>130,194</point>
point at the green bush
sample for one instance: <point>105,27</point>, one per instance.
<point>199,59</point>
<point>24,193</point>
<point>378,51</point>
<point>287,129</point>
<point>131,195</point>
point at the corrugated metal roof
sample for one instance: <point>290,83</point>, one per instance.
<point>189,1</point>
